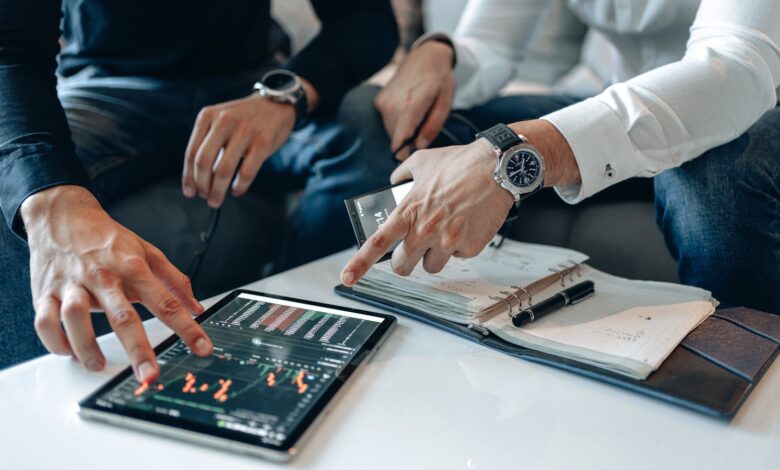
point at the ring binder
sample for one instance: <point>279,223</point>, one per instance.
<point>560,274</point>
<point>526,292</point>
<point>506,301</point>
<point>566,270</point>
<point>516,297</point>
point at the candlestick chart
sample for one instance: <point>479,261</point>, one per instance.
<point>271,362</point>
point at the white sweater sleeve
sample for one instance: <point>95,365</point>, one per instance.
<point>726,81</point>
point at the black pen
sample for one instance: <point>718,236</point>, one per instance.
<point>572,295</point>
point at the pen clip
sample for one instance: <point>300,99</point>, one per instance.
<point>575,302</point>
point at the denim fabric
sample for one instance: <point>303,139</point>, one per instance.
<point>720,216</point>
<point>131,132</point>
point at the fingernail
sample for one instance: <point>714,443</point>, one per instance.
<point>189,191</point>
<point>203,195</point>
<point>200,308</point>
<point>214,203</point>
<point>203,346</point>
<point>423,143</point>
<point>146,371</point>
<point>94,364</point>
<point>348,278</point>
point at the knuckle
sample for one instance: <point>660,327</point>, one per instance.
<point>205,114</point>
<point>432,225</point>
<point>123,318</point>
<point>409,214</point>
<point>101,275</point>
<point>44,322</point>
<point>246,173</point>
<point>135,266</point>
<point>224,118</point>
<point>202,163</point>
<point>71,310</point>
<point>471,250</point>
<point>378,242</point>
<point>223,172</point>
<point>168,308</point>
<point>431,267</point>
<point>380,102</point>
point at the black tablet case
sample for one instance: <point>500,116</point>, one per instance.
<point>712,371</point>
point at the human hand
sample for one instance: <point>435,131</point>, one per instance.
<point>455,206</point>
<point>454,209</point>
<point>243,132</point>
<point>82,260</point>
<point>418,97</point>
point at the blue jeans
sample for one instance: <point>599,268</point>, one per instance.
<point>131,132</point>
<point>720,216</point>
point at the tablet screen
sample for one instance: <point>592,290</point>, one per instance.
<point>274,360</point>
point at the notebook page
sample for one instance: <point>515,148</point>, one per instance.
<point>627,326</point>
<point>490,274</point>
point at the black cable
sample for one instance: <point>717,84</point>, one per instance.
<point>205,238</point>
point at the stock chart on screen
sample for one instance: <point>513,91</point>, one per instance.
<point>271,362</point>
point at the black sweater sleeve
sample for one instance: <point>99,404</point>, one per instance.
<point>36,151</point>
<point>357,38</point>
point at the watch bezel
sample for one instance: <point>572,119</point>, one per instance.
<point>288,94</point>
<point>506,182</point>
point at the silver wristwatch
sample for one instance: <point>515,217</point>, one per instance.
<point>283,86</point>
<point>519,165</point>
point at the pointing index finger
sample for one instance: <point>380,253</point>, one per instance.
<point>375,248</point>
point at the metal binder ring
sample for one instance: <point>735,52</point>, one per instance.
<point>563,284</point>
<point>569,269</point>
<point>507,302</point>
<point>526,292</point>
<point>566,270</point>
<point>519,302</point>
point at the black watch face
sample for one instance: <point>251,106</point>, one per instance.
<point>523,168</point>
<point>279,81</point>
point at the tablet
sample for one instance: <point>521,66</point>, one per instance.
<point>277,363</point>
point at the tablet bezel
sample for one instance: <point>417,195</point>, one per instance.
<point>88,407</point>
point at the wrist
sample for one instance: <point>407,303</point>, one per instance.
<point>40,206</point>
<point>487,160</point>
<point>560,165</point>
<point>438,52</point>
<point>444,44</point>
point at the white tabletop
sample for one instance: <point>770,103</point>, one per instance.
<point>427,400</point>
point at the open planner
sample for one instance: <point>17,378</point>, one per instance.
<point>627,333</point>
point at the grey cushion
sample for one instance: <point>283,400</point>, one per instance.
<point>616,229</point>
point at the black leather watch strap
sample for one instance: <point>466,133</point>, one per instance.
<point>501,136</point>
<point>301,110</point>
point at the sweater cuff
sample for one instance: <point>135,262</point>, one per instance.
<point>32,168</point>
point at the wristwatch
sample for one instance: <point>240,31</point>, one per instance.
<point>519,165</point>
<point>283,86</point>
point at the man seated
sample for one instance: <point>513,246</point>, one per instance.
<point>135,75</point>
<point>700,115</point>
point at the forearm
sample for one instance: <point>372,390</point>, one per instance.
<point>560,166</point>
<point>355,41</point>
<point>35,147</point>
